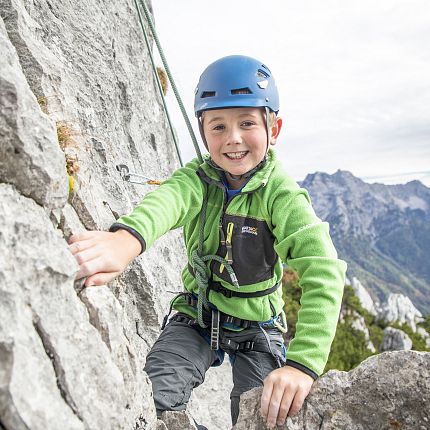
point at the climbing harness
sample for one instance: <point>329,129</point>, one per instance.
<point>217,340</point>
<point>214,319</point>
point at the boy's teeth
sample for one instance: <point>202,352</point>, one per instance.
<point>236,154</point>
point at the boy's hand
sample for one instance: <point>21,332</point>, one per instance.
<point>284,392</point>
<point>102,256</point>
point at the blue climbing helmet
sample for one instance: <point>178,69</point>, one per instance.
<point>236,81</point>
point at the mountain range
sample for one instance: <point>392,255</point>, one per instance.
<point>381,231</point>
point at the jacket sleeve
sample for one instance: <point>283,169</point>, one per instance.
<point>170,206</point>
<point>304,243</point>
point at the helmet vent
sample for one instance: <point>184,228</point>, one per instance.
<point>262,74</point>
<point>241,91</point>
<point>265,67</point>
<point>208,94</point>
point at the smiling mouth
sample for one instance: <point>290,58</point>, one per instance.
<point>236,155</point>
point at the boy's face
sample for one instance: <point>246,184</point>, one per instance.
<point>237,138</point>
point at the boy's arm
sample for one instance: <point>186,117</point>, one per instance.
<point>303,241</point>
<point>176,201</point>
<point>104,255</point>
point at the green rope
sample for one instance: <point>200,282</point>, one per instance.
<point>201,270</point>
<point>169,75</point>
<point>160,88</point>
<point>199,262</point>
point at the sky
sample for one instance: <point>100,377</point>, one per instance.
<point>353,77</point>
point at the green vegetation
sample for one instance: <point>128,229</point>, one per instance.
<point>349,347</point>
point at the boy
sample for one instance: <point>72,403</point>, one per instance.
<point>242,216</point>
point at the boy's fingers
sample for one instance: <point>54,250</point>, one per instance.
<point>100,279</point>
<point>299,398</point>
<point>85,235</point>
<point>265,398</point>
<point>285,406</point>
<point>90,268</point>
<point>80,246</point>
<point>86,255</point>
<point>274,404</point>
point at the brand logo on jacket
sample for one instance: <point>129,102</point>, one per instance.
<point>250,230</point>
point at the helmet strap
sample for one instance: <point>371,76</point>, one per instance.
<point>267,127</point>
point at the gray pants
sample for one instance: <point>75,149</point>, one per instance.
<point>181,356</point>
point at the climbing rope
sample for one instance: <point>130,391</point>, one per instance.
<point>160,88</point>
<point>201,269</point>
<point>169,75</point>
<point>199,262</point>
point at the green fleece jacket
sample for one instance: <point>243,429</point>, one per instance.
<point>269,222</point>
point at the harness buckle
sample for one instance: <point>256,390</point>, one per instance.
<point>215,329</point>
<point>218,288</point>
<point>247,346</point>
<point>226,293</point>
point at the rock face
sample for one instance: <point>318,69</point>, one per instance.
<point>395,340</point>
<point>75,78</point>
<point>387,391</point>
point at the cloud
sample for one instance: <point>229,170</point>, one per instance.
<point>352,76</point>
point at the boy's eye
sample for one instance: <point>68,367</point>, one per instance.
<point>218,127</point>
<point>247,123</point>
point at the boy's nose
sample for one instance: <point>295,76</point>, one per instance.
<point>234,137</point>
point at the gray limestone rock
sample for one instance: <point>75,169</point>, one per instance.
<point>30,157</point>
<point>107,316</point>
<point>358,323</point>
<point>51,345</point>
<point>395,340</point>
<point>74,66</point>
<point>178,420</point>
<point>399,308</point>
<point>363,295</point>
<point>387,391</point>
<point>210,403</point>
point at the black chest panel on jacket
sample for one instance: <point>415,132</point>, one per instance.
<point>252,250</point>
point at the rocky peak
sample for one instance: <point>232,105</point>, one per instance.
<point>363,296</point>
<point>355,204</point>
<point>399,308</point>
<point>382,231</point>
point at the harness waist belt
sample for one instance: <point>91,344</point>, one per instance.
<point>218,288</point>
<point>223,318</point>
<point>224,342</point>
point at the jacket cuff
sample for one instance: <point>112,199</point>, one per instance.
<point>304,369</point>
<point>117,226</point>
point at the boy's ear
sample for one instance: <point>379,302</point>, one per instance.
<point>275,130</point>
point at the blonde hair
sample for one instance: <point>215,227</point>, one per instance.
<point>272,117</point>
